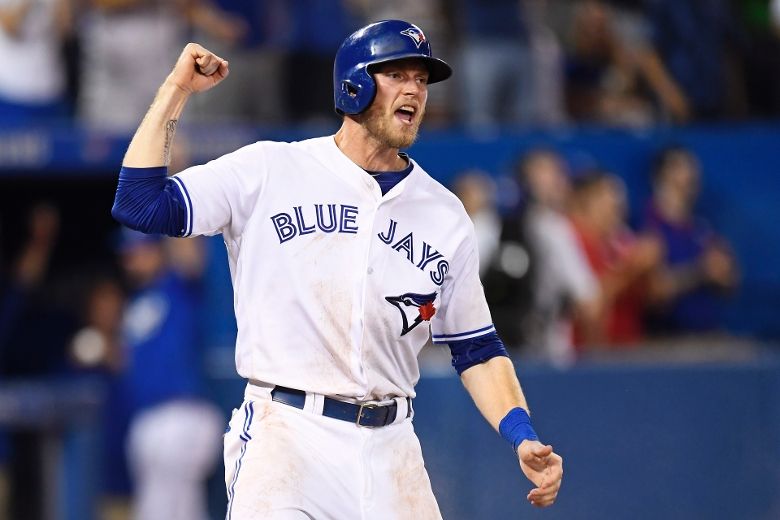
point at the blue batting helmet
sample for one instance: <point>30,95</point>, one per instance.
<point>389,40</point>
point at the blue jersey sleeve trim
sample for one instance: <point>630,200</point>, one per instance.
<point>443,338</point>
<point>148,201</point>
<point>474,351</point>
<point>188,203</point>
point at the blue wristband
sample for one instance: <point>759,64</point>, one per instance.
<point>516,427</point>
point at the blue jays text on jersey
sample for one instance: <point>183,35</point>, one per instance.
<point>428,253</point>
<point>344,220</point>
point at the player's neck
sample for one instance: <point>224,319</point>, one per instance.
<point>367,152</point>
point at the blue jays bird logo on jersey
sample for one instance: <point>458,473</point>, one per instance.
<point>414,308</point>
<point>415,34</point>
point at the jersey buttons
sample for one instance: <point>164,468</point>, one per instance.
<point>370,270</point>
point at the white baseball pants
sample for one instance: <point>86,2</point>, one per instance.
<point>284,463</point>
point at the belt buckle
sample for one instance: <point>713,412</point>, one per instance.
<point>360,414</point>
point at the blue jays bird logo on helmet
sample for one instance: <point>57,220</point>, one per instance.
<point>415,34</point>
<point>414,308</point>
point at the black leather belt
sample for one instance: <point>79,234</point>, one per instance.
<point>368,415</point>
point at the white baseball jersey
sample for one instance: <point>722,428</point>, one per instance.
<point>336,287</point>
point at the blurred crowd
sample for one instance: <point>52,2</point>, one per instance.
<point>524,62</point>
<point>567,273</point>
<point>131,326</point>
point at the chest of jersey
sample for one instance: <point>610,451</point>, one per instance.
<point>356,264</point>
<point>337,286</point>
<point>336,227</point>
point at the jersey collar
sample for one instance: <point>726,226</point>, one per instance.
<point>358,177</point>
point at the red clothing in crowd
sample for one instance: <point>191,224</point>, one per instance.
<point>623,317</point>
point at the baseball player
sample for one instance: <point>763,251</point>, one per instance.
<point>345,257</point>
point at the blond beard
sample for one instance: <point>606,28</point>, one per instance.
<point>380,129</point>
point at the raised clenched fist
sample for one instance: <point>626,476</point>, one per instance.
<point>198,69</point>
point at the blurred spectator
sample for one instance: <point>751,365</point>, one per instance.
<point>429,15</point>
<point>697,265</point>
<point>96,344</point>
<point>761,55</point>
<point>476,190</point>
<point>252,36</point>
<point>508,280</point>
<point>96,349</point>
<point>318,27</point>
<point>129,46</point>
<point>174,436</point>
<point>613,75</point>
<point>33,79</point>
<point>32,344</point>
<point>546,67</point>
<point>696,41</point>
<point>621,261</point>
<point>495,62</point>
<point>24,309</point>
<point>564,285</point>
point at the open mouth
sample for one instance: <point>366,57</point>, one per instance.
<point>406,114</point>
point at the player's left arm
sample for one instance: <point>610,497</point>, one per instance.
<point>479,356</point>
<point>495,389</point>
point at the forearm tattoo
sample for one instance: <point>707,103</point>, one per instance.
<point>170,131</point>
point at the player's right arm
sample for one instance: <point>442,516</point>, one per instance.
<point>196,70</point>
<point>146,198</point>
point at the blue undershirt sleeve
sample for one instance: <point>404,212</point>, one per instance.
<point>147,200</point>
<point>470,352</point>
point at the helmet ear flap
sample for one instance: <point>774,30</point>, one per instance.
<point>356,92</point>
<point>350,88</point>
